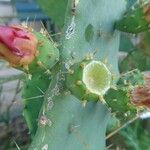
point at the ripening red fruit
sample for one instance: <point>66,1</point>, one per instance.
<point>17,45</point>
<point>140,96</point>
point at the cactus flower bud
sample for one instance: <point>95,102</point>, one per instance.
<point>140,96</point>
<point>17,45</point>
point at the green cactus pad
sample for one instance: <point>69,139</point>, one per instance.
<point>136,20</point>
<point>73,127</point>
<point>38,80</point>
<point>33,98</point>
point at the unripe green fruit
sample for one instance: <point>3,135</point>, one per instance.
<point>88,80</point>
<point>47,57</point>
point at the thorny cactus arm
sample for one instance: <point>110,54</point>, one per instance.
<point>35,55</point>
<point>64,122</point>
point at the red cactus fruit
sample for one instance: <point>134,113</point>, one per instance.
<point>140,96</point>
<point>17,45</point>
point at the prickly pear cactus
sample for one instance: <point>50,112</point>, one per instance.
<point>83,86</point>
<point>66,120</point>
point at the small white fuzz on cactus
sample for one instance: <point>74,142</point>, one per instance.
<point>97,77</point>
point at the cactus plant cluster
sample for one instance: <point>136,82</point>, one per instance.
<point>69,93</point>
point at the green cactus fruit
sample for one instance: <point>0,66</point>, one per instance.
<point>47,57</point>
<point>136,20</point>
<point>88,80</point>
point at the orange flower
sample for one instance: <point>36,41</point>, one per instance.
<point>140,96</point>
<point>17,45</point>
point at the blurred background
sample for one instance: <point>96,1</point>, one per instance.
<point>49,14</point>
